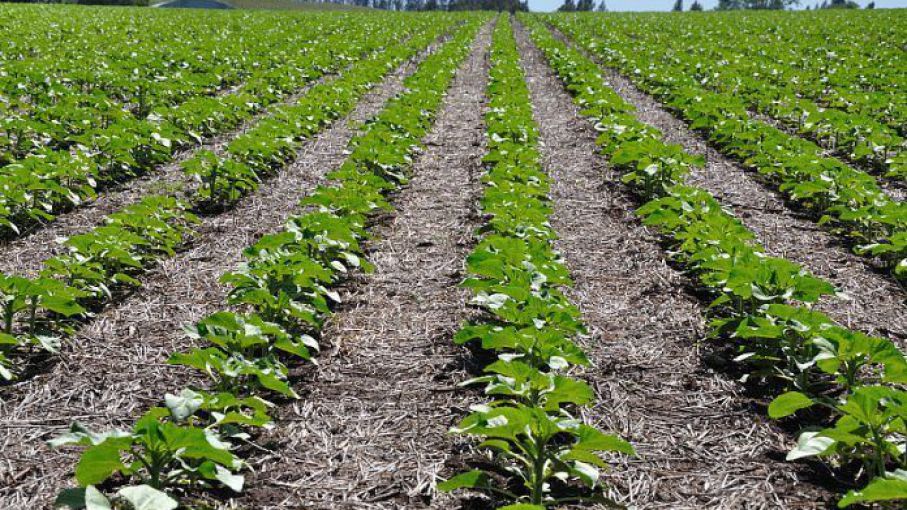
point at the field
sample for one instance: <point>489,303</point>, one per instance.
<point>367,259</point>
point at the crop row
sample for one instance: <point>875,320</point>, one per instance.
<point>266,147</point>
<point>130,242</point>
<point>112,70</point>
<point>133,58</point>
<point>760,304</point>
<point>284,291</point>
<point>536,443</point>
<point>38,311</point>
<point>845,199</point>
<point>757,74</point>
<point>38,187</point>
<point>70,110</point>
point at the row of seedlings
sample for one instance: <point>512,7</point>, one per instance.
<point>265,148</point>
<point>765,77</point>
<point>851,383</point>
<point>281,297</point>
<point>37,188</point>
<point>539,451</point>
<point>103,66</point>
<point>38,311</point>
<point>847,200</point>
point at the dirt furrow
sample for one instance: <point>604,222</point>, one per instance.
<point>371,429</point>
<point>699,444</point>
<point>874,302</point>
<point>114,368</point>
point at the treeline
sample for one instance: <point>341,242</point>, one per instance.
<point>841,4</point>
<point>82,2</point>
<point>397,5</point>
<point>440,5</point>
<point>723,5</point>
<point>729,5</point>
<point>726,5</point>
<point>582,5</point>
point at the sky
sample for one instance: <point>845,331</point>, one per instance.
<point>665,5</point>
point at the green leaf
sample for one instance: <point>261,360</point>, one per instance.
<point>592,439</point>
<point>810,444</point>
<point>63,305</point>
<point>788,403</point>
<point>475,479</point>
<point>72,498</point>
<point>586,472</point>
<point>185,404</point>
<point>95,500</point>
<point>224,476</point>
<point>101,461</point>
<point>879,489</point>
<point>144,497</point>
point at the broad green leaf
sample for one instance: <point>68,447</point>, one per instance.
<point>475,479</point>
<point>185,404</point>
<point>810,444</point>
<point>879,489</point>
<point>99,462</point>
<point>72,498</point>
<point>144,497</point>
<point>95,500</point>
<point>788,403</point>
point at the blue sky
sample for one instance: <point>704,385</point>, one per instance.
<point>664,5</point>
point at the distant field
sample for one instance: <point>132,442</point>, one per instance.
<point>291,5</point>
<point>276,5</point>
<point>302,255</point>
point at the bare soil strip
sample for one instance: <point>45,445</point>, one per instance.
<point>26,254</point>
<point>700,445</point>
<point>114,368</point>
<point>371,429</point>
<point>877,304</point>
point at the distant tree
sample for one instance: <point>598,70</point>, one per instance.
<point>678,6</point>
<point>568,6</point>
<point>602,7</point>
<point>696,6</point>
<point>98,2</point>
<point>511,6</point>
<point>840,4</point>
<point>727,5</point>
<point>871,5</point>
<point>585,5</point>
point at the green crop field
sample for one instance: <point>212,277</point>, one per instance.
<point>295,255</point>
